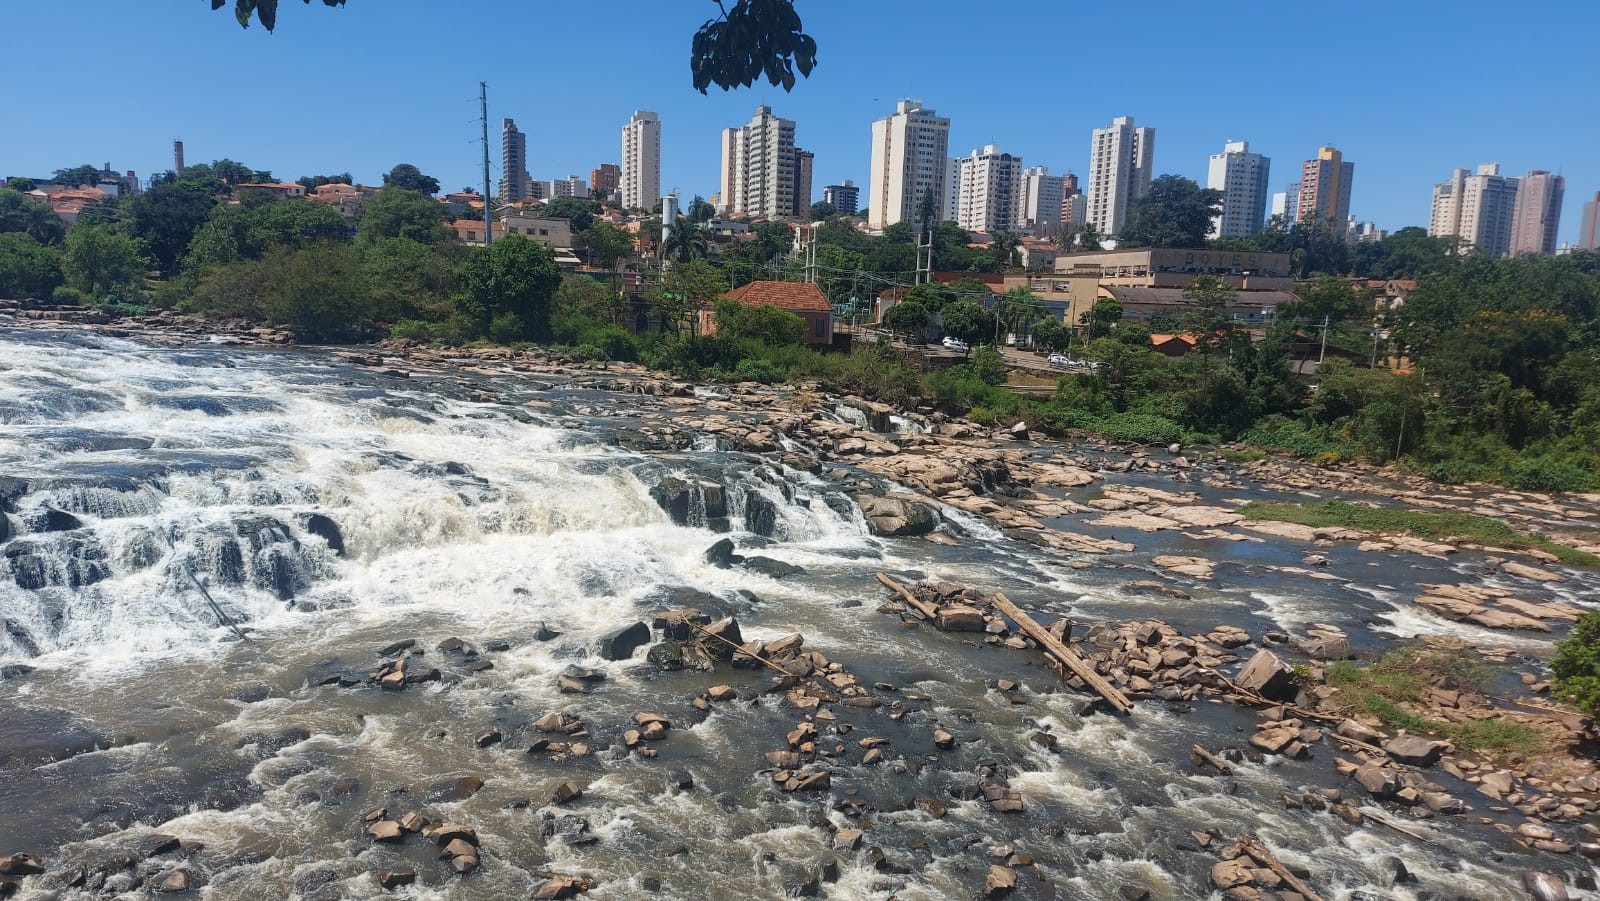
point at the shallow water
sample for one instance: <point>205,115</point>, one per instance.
<point>196,472</point>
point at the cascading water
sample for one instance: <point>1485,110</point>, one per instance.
<point>157,498</point>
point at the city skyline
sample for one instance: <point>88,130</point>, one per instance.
<point>412,115</point>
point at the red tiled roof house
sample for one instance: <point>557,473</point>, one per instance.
<point>800,298</point>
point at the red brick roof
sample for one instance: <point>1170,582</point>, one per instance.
<point>793,296</point>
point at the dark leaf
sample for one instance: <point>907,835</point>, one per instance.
<point>267,12</point>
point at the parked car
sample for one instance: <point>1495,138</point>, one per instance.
<point>955,344</point>
<point>1059,361</point>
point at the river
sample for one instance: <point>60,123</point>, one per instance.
<point>176,589</point>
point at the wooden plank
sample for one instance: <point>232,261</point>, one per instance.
<point>1264,856</point>
<point>1201,755</point>
<point>927,610</point>
<point>1067,656</point>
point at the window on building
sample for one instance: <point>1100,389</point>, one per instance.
<point>820,328</point>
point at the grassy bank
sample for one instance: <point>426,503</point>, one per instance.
<point>1403,676</point>
<point>1433,526</point>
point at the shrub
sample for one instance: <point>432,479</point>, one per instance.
<point>64,296</point>
<point>588,353</point>
<point>506,328</point>
<point>1577,665</point>
<point>411,330</point>
<point>982,416</point>
<point>1141,428</point>
<point>1546,474</point>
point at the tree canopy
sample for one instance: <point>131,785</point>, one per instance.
<point>509,288</point>
<point>1175,212</point>
<point>750,39</point>
<point>411,178</point>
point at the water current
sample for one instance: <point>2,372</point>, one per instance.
<point>201,536</point>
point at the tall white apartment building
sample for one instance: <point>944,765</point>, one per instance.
<point>950,198</point>
<point>641,161</point>
<point>759,167</point>
<point>1538,213</point>
<point>1121,157</point>
<point>571,186</point>
<point>1478,208</point>
<point>990,185</point>
<point>1039,201</point>
<point>910,157</point>
<point>1241,176</point>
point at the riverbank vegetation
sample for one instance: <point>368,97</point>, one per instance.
<point>1404,677</point>
<point>1433,526</point>
<point>1497,374</point>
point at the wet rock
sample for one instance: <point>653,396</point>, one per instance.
<point>847,839</point>
<point>1414,750</point>
<point>177,882</point>
<point>961,618</point>
<point>1000,881</point>
<point>393,879</point>
<point>1358,731</point>
<point>325,528</point>
<point>932,806</point>
<point>545,633</point>
<point>666,655</point>
<point>455,645</point>
<point>771,568</point>
<point>761,515</point>
<point>897,516</point>
<point>385,831</point>
<point>943,740</point>
<point>1268,676</point>
<point>726,629</point>
<point>488,738</point>
<point>566,793</point>
<point>621,643</point>
<point>723,554</point>
<point>558,887</point>
<point>398,647</point>
<point>454,789</point>
<point>52,520</point>
<point>445,833</point>
<point>157,844</point>
<point>1545,887</point>
<point>20,865</point>
<point>1380,782</point>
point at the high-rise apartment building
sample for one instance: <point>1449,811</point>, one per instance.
<point>803,160</point>
<point>949,200</point>
<point>1538,213</point>
<point>845,198</point>
<point>1286,204</point>
<point>177,157</point>
<point>759,167</point>
<point>910,158</point>
<point>990,183</point>
<point>1241,176</point>
<point>1039,201</point>
<point>604,180</point>
<point>1325,189</point>
<point>1589,225</point>
<point>1121,157</point>
<point>1477,208</point>
<point>514,176</point>
<point>641,161</point>
<point>1073,203</point>
<point>571,186</point>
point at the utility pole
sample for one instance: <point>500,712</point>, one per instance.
<point>488,196</point>
<point>1324,351</point>
<point>924,265</point>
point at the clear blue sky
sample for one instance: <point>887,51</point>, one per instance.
<point>1407,89</point>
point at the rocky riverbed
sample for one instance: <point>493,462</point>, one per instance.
<point>345,623</point>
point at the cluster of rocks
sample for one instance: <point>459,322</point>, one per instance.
<point>1495,608</point>
<point>404,665</point>
<point>159,863</point>
<point>458,843</point>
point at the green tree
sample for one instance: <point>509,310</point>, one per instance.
<point>685,290</point>
<point>1576,666</point>
<point>396,212</point>
<point>1335,298</point>
<point>1051,334</point>
<point>29,217</point>
<point>1102,318</point>
<point>20,184</point>
<point>166,218</point>
<point>318,290</point>
<point>576,210</point>
<point>1088,237</point>
<point>701,210</point>
<point>1004,249</point>
<point>765,323</point>
<point>967,321</point>
<point>28,269</point>
<point>411,178</point>
<point>750,39</point>
<point>908,318</point>
<point>249,230</point>
<point>932,297</point>
<point>686,240</point>
<point>313,182</point>
<point>606,244</point>
<point>512,281</point>
<point>581,297</point>
<point>101,263</point>
<point>1206,317</point>
<point>823,210</point>
<point>1175,212</point>
<point>407,279</point>
<point>78,176</point>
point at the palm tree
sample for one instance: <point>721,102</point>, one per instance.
<point>686,240</point>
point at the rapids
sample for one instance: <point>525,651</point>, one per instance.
<point>167,501</point>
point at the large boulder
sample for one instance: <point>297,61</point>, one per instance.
<point>674,496</point>
<point>761,515</point>
<point>1269,677</point>
<point>620,644</point>
<point>325,528</point>
<point>1414,750</point>
<point>723,554</point>
<point>897,516</point>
